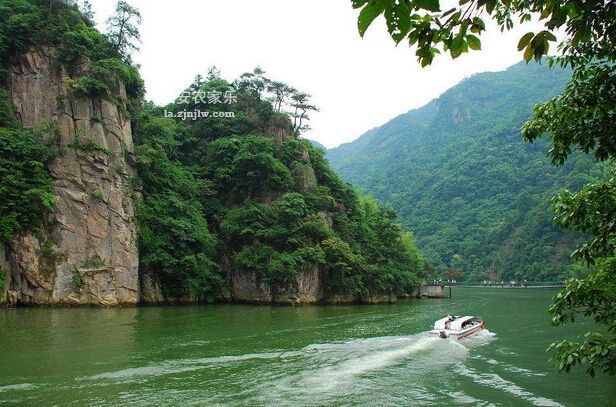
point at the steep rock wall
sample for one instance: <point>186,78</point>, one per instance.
<point>87,253</point>
<point>248,287</point>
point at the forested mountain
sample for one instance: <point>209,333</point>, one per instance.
<point>459,175</point>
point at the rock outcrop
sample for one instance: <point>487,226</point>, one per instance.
<point>248,287</point>
<point>87,252</point>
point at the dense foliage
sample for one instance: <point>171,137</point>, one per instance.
<point>589,26</point>
<point>247,195</point>
<point>174,239</point>
<point>583,119</point>
<point>25,185</point>
<point>456,171</point>
<point>60,24</point>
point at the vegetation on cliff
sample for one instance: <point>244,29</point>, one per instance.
<point>25,185</point>
<point>218,195</point>
<point>245,194</point>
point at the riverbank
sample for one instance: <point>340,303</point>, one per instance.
<point>509,287</point>
<point>188,301</point>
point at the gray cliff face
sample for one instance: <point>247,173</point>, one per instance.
<point>87,253</point>
<point>247,287</point>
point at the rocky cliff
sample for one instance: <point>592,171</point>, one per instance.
<point>308,289</point>
<point>87,252</point>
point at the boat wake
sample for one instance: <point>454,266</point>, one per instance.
<point>349,359</point>
<point>185,365</point>
<point>338,366</point>
<point>481,338</point>
<point>337,360</point>
<point>318,374</point>
<point>384,370</point>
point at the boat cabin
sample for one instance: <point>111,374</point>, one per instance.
<point>443,322</point>
<point>461,323</point>
<point>456,323</point>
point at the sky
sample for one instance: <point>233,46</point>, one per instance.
<point>313,45</point>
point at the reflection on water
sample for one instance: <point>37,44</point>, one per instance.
<point>245,355</point>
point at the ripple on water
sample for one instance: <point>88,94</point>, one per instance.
<point>183,365</point>
<point>495,381</point>
<point>19,386</point>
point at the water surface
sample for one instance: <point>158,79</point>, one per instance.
<point>309,356</point>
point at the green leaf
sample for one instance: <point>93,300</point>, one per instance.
<point>367,16</point>
<point>490,4</point>
<point>398,21</point>
<point>525,40</point>
<point>538,46</point>
<point>430,5</point>
<point>473,42</point>
<point>549,36</point>
<point>478,25</point>
<point>457,46</point>
<point>528,53</point>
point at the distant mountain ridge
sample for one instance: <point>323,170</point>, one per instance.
<point>317,145</point>
<point>459,175</point>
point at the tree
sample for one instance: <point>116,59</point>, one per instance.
<point>213,73</point>
<point>457,263</point>
<point>301,108</point>
<point>582,118</point>
<point>123,29</point>
<point>280,93</point>
<point>254,82</point>
<point>197,82</point>
<point>450,274</point>
<point>174,241</point>
<point>85,7</point>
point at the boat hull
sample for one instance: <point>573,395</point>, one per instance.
<point>457,335</point>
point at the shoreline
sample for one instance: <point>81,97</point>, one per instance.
<point>507,287</point>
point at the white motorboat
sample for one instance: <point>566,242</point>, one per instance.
<point>457,327</point>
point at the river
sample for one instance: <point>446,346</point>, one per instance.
<point>246,355</point>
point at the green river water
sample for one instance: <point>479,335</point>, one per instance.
<point>241,355</point>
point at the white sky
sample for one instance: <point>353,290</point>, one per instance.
<point>312,45</point>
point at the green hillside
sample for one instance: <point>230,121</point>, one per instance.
<point>459,175</point>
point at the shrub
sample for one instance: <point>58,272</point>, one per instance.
<point>25,185</point>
